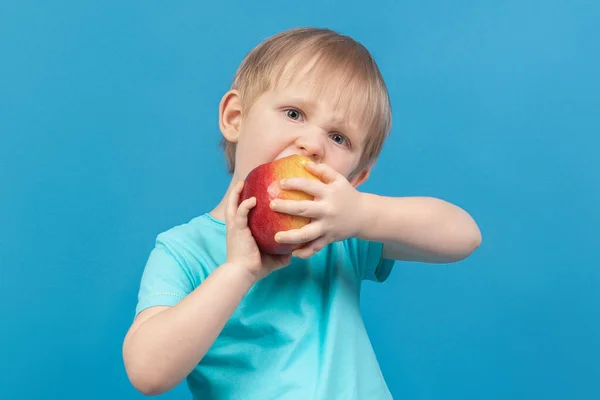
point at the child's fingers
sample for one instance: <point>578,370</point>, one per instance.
<point>232,203</point>
<point>311,248</point>
<point>309,186</point>
<point>305,234</point>
<point>303,208</point>
<point>241,219</point>
<point>326,173</point>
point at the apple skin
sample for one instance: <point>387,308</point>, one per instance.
<point>263,183</point>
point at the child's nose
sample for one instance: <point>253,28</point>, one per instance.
<point>311,145</point>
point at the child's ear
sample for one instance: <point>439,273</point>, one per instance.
<point>230,115</point>
<point>361,177</point>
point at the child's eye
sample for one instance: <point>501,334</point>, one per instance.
<point>293,114</point>
<point>339,139</point>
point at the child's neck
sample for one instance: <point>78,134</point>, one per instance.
<point>219,211</point>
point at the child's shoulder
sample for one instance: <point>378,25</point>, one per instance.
<point>197,237</point>
<point>196,228</point>
<point>182,257</point>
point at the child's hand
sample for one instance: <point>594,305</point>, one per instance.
<point>335,210</point>
<point>241,246</point>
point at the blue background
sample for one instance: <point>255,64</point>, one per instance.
<point>108,127</point>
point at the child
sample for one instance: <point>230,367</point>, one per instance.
<point>239,324</point>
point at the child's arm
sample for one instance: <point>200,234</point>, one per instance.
<point>411,228</point>
<point>164,344</point>
<point>420,229</point>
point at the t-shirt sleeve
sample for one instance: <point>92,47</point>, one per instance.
<point>164,281</point>
<point>367,257</point>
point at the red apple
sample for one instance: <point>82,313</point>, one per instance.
<point>263,183</point>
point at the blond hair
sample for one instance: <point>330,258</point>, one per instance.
<point>334,61</point>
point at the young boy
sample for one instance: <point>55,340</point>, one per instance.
<point>239,324</point>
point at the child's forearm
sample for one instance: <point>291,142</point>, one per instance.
<point>419,228</point>
<point>164,349</point>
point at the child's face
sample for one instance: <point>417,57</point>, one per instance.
<point>288,120</point>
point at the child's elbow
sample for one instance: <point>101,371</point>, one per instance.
<point>145,382</point>
<point>465,244</point>
<point>142,372</point>
<point>473,241</point>
<point>475,238</point>
<point>470,234</point>
<point>150,390</point>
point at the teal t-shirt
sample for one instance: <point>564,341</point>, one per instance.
<point>297,334</point>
